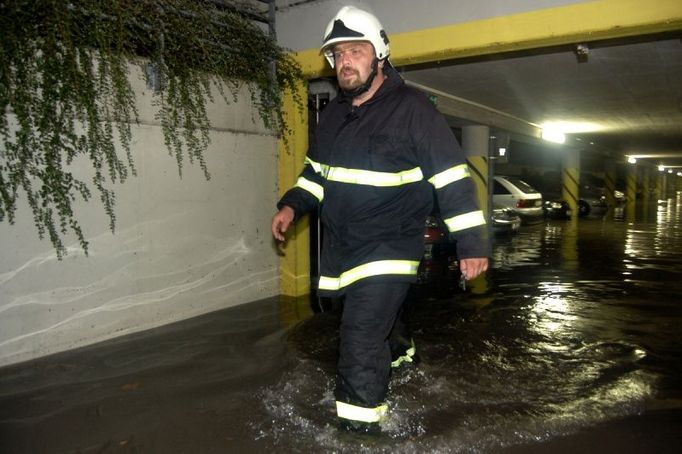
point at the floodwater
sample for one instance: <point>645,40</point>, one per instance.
<point>572,345</point>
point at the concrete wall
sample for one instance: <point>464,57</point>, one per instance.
<point>182,247</point>
<point>302,25</point>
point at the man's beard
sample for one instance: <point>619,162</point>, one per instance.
<point>350,84</point>
<point>356,87</point>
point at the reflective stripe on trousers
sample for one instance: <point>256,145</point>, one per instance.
<point>356,413</point>
<point>369,313</point>
<point>407,357</point>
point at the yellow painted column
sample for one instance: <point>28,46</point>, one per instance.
<point>293,310</point>
<point>570,187</point>
<point>570,181</point>
<point>631,191</point>
<point>647,193</point>
<point>295,252</point>
<point>664,185</point>
<point>569,245</point>
<point>475,140</point>
<point>610,184</point>
<point>660,193</point>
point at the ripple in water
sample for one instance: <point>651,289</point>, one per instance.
<point>457,400</point>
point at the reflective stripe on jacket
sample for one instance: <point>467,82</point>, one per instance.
<point>373,170</point>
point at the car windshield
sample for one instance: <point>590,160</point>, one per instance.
<point>522,185</point>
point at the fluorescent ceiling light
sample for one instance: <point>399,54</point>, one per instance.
<point>553,135</point>
<point>632,160</point>
<point>573,127</point>
<point>555,131</point>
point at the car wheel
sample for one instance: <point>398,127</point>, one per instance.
<point>583,208</point>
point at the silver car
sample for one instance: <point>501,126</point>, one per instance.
<point>520,197</point>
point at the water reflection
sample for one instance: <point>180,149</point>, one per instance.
<point>580,326</point>
<point>552,311</point>
<point>547,351</point>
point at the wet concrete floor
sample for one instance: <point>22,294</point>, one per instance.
<point>573,345</point>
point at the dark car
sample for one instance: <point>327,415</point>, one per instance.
<point>589,204</point>
<point>591,201</point>
<point>555,207</point>
<point>439,262</point>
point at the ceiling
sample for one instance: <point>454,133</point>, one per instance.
<point>625,97</point>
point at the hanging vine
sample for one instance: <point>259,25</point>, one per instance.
<point>65,93</point>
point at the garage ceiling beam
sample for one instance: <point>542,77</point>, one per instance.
<point>571,24</point>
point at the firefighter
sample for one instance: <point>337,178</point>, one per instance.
<point>379,152</point>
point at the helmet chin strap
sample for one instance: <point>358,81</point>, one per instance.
<point>357,91</point>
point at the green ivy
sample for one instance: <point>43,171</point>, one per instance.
<point>65,92</point>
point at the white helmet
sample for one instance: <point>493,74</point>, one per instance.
<point>353,24</point>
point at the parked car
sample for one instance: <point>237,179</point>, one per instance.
<point>555,208</point>
<point>439,263</point>
<point>505,221</point>
<point>520,197</point>
<point>592,201</point>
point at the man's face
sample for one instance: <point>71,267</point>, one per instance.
<point>353,63</point>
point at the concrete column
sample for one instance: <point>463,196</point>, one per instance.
<point>631,190</point>
<point>295,252</point>
<point>647,193</point>
<point>475,140</point>
<point>660,185</point>
<point>646,183</point>
<point>664,185</point>
<point>475,143</point>
<point>570,179</point>
<point>610,175</point>
<point>569,245</point>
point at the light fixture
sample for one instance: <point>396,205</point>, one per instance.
<point>632,160</point>
<point>552,133</point>
<point>661,168</point>
<point>503,151</point>
<point>581,52</point>
<point>670,170</point>
<point>679,174</point>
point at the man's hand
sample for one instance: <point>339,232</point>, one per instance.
<point>281,222</point>
<point>472,267</point>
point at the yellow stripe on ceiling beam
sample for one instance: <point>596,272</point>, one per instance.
<point>575,23</point>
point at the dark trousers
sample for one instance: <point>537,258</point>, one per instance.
<point>369,314</point>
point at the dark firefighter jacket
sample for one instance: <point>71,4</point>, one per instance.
<point>373,169</point>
